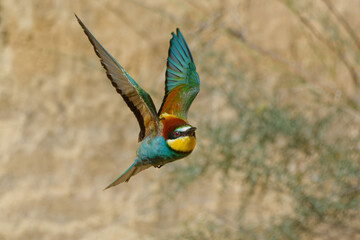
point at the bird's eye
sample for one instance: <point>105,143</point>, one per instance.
<point>176,134</point>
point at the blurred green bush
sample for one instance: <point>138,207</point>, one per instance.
<point>304,152</point>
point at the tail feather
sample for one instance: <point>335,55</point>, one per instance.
<point>125,177</point>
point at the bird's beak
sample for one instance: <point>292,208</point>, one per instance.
<point>190,130</point>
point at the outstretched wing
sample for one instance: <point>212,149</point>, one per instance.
<point>182,81</point>
<point>135,97</point>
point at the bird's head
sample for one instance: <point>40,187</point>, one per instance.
<point>179,135</point>
<point>182,139</point>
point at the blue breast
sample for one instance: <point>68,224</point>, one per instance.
<point>155,151</point>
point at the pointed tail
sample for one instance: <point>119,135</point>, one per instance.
<point>131,171</point>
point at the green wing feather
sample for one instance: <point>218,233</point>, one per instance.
<point>182,81</point>
<point>135,97</point>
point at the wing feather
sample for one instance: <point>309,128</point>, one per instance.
<point>138,100</point>
<point>182,81</point>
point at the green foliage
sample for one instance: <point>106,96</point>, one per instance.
<point>305,153</point>
<point>274,149</point>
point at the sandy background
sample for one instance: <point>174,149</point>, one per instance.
<point>65,133</point>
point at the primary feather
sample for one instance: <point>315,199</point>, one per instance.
<point>138,100</point>
<point>182,81</point>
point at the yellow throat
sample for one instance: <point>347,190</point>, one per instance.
<point>183,144</point>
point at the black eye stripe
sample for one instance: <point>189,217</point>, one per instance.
<point>177,133</point>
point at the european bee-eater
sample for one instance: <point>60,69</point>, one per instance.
<point>166,135</point>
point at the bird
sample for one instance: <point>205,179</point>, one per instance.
<point>165,135</point>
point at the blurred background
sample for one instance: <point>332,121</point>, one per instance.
<point>278,119</point>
